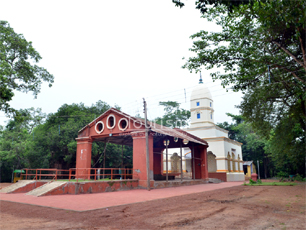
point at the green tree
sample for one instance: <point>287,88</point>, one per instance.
<point>262,50</point>
<point>55,139</point>
<point>18,70</point>
<point>204,5</point>
<point>16,142</point>
<point>174,116</point>
<point>286,148</point>
<point>33,140</point>
<point>253,145</point>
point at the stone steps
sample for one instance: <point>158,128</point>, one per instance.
<point>15,186</point>
<point>214,180</point>
<point>40,191</point>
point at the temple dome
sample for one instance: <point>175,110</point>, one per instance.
<point>200,92</point>
<point>201,107</point>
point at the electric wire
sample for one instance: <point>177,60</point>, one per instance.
<point>136,105</point>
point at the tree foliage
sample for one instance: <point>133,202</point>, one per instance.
<point>253,145</point>
<point>262,50</point>
<point>204,5</point>
<point>18,70</point>
<point>286,148</point>
<point>16,142</point>
<point>274,156</point>
<point>174,116</point>
<point>34,140</point>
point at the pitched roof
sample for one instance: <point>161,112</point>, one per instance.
<point>153,127</point>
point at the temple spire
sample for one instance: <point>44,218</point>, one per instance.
<point>200,82</point>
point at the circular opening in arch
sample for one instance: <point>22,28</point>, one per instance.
<point>185,141</point>
<point>123,124</point>
<point>111,121</point>
<point>99,127</point>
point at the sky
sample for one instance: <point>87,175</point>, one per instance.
<point>115,51</point>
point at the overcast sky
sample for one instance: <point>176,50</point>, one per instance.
<point>115,51</point>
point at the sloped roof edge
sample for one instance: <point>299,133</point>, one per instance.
<point>154,127</point>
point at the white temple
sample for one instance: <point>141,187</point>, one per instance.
<point>224,156</point>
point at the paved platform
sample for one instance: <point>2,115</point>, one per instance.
<point>86,202</point>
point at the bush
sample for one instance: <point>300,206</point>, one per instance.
<point>282,174</point>
<point>259,181</point>
<point>252,182</point>
<point>298,177</point>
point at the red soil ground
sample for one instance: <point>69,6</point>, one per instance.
<point>240,207</point>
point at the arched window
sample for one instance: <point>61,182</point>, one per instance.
<point>198,103</point>
<point>198,115</point>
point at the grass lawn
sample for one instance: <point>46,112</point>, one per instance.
<point>272,184</point>
<point>80,180</point>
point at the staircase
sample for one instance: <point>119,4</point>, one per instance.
<point>214,180</point>
<point>42,190</point>
<point>15,186</point>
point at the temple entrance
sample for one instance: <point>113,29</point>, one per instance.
<point>119,128</point>
<point>211,161</point>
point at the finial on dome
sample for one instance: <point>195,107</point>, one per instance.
<point>200,82</point>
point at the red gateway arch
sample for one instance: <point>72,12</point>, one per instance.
<point>117,127</point>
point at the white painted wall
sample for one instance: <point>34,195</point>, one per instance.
<point>202,133</point>
<point>235,176</point>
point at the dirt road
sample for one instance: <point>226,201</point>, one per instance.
<point>241,207</point>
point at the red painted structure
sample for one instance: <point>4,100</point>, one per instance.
<point>254,177</point>
<point>29,187</point>
<point>218,175</point>
<point>93,187</point>
<point>114,126</point>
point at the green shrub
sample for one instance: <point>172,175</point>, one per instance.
<point>298,177</point>
<point>259,181</point>
<point>281,179</point>
<point>282,174</point>
<point>252,182</point>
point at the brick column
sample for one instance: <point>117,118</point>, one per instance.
<point>204,166</point>
<point>198,162</point>
<point>83,157</point>
<point>139,158</point>
<point>158,161</point>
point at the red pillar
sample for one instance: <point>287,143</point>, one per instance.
<point>197,162</point>
<point>139,158</point>
<point>204,166</point>
<point>83,157</point>
<point>158,161</point>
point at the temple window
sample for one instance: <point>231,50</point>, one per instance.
<point>198,115</point>
<point>198,103</point>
